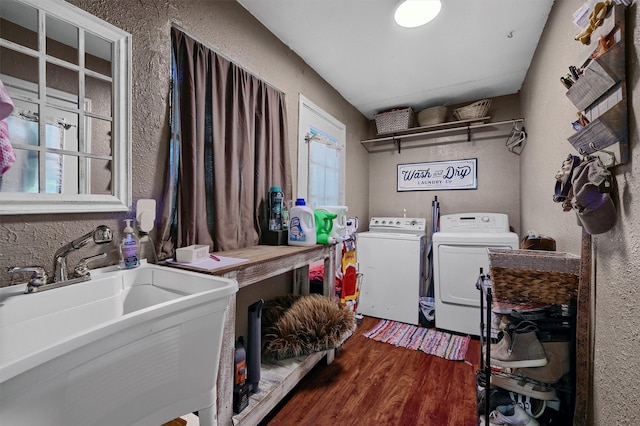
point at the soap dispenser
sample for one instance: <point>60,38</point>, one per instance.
<point>129,247</point>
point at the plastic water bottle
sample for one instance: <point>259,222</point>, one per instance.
<point>302,226</point>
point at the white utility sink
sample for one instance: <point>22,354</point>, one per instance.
<point>132,347</point>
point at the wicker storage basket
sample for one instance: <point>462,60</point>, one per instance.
<point>475,110</point>
<point>394,120</point>
<point>431,116</point>
<point>534,276</point>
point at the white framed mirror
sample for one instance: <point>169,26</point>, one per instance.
<point>68,74</point>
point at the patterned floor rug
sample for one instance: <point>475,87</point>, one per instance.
<point>427,340</point>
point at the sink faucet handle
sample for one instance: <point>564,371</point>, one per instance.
<point>82,268</point>
<point>38,276</point>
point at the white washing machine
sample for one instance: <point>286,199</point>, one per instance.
<point>459,251</point>
<point>392,257</point>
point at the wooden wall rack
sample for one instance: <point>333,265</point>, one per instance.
<point>602,94</point>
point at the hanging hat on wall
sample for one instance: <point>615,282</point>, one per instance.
<point>595,209</point>
<point>564,179</point>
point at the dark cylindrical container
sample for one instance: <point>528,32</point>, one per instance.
<point>276,197</point>
<point>254,346</point>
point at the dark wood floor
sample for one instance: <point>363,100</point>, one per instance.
<point>373,383</point>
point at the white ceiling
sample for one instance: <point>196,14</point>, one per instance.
<point>474,49</point>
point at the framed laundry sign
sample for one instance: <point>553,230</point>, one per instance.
<point>438,175</point>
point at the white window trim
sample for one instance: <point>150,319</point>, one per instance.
<point>309,114</point>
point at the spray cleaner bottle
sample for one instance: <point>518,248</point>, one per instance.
<point>129,247</point>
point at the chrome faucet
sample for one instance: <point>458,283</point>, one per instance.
<point>38,276</point>
<point>102,234</point>
<point>39,280</point>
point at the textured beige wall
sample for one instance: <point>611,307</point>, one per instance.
<point>549,114</point>
<point>226,27</point>
<point>498,171</point>
<point>616,386</point>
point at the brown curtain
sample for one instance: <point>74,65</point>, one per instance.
<point>229,145</point>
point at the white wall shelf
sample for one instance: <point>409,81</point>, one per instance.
<point>426,135</point>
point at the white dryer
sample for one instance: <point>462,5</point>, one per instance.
<point>459,251</point>
<point>392,258</point>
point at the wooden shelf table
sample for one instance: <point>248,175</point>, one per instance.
<point>264,262</point>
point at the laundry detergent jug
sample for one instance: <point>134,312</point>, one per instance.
<point>302,226</point>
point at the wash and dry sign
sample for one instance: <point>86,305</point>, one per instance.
<point>438,175</point>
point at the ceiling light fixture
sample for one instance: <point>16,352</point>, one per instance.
<point>414,13</point>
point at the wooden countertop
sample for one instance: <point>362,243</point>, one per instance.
<point>263,262</point>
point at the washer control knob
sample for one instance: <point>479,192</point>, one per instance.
<point>413,223</point>
<point>485,218</point>
<point>397,222</point>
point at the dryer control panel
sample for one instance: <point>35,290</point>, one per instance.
<point>413,225</point>
<point>474,222</point>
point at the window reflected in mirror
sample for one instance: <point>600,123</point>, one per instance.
<point>60,70</point>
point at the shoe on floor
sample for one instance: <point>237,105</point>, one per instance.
<point>509,415</point>
<point>558,364</point>
<point>519,348</point>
